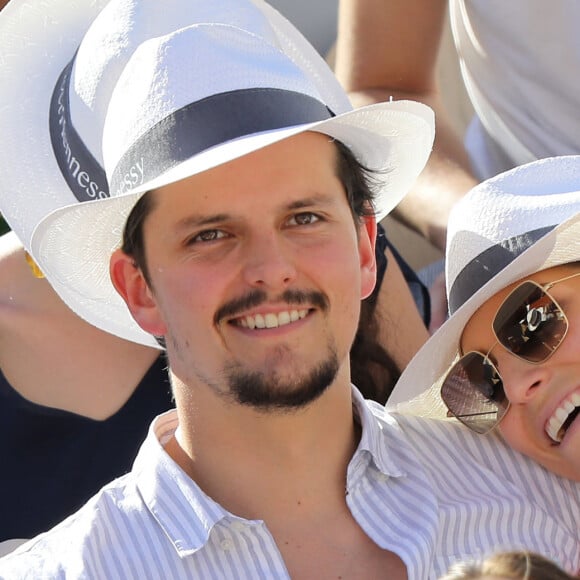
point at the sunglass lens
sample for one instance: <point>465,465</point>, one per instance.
<point>530,324</point>
<point>473,392</point>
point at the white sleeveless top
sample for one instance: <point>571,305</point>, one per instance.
<point>520,61</point>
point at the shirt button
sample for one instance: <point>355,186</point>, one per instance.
<point>226,545</point>
<point>238,526</point>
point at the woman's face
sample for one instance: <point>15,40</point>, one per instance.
<point>542,420</point>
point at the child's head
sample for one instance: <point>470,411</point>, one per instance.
<point>508,565</point>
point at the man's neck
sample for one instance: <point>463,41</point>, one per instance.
<point>290,472</point>
<point>278,461</point>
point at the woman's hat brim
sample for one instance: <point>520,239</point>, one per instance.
<point>417,392</point>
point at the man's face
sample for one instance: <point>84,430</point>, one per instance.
<point>257,270</point>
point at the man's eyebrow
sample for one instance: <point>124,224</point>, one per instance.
<point>198,220</point>
<point>310,201</point>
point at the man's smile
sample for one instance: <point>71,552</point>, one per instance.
<point>270,319</point>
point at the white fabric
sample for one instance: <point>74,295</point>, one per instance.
<point>8,545</point>
<point>430,491</point>
<point>520,61</point>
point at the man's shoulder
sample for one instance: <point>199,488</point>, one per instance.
<point>474,488</point>
<point>444,446</point>
<point>420,430</point>
<point>449,451</point>
<point>452,442</point>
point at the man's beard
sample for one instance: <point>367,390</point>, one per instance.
<point>271,392</point>
<point>268,390</point>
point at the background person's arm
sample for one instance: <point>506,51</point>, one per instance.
<point>401,329</point>
<point>389,48</point>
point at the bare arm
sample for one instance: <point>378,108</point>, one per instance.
<point>389,48</point>
<point>75,366</point>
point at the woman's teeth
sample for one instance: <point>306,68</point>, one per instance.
<point>563,417</point>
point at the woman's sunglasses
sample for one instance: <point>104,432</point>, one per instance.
<point>531,325</point>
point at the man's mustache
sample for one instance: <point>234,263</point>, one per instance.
<point>257,297</point>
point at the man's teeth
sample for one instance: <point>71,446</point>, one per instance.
<point>555,427</point>
<point>272,320</point>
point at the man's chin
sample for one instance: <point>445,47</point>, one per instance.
<point>270,391</point>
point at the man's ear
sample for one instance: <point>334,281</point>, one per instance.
<point>131,284</point>
<point>368,262</point>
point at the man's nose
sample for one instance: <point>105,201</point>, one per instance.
<point>269,262</point>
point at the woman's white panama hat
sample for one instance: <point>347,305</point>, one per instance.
<point>104,101</point>
<point>506,228</point>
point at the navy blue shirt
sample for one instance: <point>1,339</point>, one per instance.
<point>52,461</point>
<point>418,290</point>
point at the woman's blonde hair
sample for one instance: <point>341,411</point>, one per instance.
<point>510,565</point>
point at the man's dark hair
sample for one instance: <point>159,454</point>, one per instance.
<point>373,370</point>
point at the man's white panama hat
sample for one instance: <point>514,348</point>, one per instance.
<point>506,228</point>
<point>104,101</point>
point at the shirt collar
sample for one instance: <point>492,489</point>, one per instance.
<point>379,433</point>
<point>171,495</point>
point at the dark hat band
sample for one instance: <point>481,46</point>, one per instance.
<point>210,122</point>
<point>179,136</point>
<point>486,265</point>
<point>82,172</point>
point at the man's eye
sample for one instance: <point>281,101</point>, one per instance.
<point>304,219</point>
<point>207,236</point>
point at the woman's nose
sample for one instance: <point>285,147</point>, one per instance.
<point>521,379</point>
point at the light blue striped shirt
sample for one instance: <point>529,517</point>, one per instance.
<point>432,492</point>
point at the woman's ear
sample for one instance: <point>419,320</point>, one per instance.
<point>130,282</point>
<point>368,263</point>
